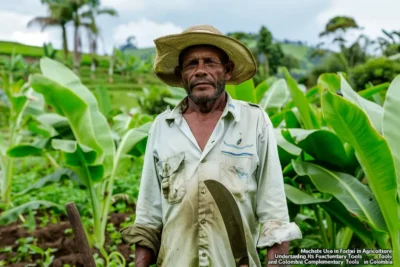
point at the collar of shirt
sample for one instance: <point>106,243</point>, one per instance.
<point>231,107</point>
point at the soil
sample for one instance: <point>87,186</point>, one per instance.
<point>54,236</point>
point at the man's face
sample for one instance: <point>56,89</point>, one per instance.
<point>204,74</point>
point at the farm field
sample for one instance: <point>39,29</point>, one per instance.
<point>74,128</point>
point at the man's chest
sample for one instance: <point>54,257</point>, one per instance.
<point>202,129</point>
<point>230,156</point>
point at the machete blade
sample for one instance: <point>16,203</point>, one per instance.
<point>232,219</point>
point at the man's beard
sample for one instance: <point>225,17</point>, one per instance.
<point>206,99</point>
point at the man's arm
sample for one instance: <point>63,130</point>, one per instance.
<point>144,256</point>
<point>145,233</point>
<point>271,207</point>
<point>277,249</point>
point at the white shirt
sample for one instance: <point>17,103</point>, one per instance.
<point>242,154</point>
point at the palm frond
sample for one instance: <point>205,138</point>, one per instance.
<point>44,22</point>
<point>107,11</point>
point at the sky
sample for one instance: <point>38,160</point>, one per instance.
<point>149,19</point>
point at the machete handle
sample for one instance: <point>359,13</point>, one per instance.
<point>80,235</point>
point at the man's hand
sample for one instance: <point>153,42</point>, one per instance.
<point>277,249</point>
<point>144,256</point>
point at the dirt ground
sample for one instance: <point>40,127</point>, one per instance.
<point>53,236</point>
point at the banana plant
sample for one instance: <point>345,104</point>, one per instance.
<point>91,151</point>
<point>353,126</point>
<point>21,101</point>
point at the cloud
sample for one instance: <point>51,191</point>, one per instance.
<point>372,15</point>
<point>125,6</point>
<point>17,31</point>
<point>145,31</point>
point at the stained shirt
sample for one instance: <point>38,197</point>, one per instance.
<point>176,215</point>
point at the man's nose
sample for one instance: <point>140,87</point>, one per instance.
<point>200,69</point>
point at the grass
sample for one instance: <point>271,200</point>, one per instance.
<point>298,51</point>
<point>7,48</point>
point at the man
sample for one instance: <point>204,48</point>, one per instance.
<point>208,135</point>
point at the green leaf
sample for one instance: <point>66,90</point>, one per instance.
<point>11,215</point>
<point>133,137</point>
<point>244,91</point>
<point>391,124</point>
<point>36,250</point>
<point>63,90</point>
<point>70,149</point>
<point>263,87</point>
<point>21,151</point>
<point>353,126</point>
<point>103,98</point>
<point>329,81</point>
<point>302,198</point>
<point>354,195</point>
<point>366,93</point>
<point>48,179</point>
<point>373,110</point>
<point>284,144</point>
<point>340,213</point>
<point>68,146</point>
<point>276,96</point>
<point>308,118</point>
<point>19,103</point>
<point>311,141</point>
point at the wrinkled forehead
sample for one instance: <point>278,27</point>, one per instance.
<point>202,50</point>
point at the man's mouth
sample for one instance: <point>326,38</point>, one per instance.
<point>196,84</point>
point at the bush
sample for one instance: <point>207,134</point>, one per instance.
<point>332,64</point>
<point>375,71</point>
<point>152,101</point>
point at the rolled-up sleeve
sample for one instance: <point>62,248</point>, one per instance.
<point>147,228</point>
<point>271,209</point>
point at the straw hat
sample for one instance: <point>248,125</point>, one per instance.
<point>169,47</point>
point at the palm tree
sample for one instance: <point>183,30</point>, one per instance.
<point>59,16</point>
<point>92,27</point>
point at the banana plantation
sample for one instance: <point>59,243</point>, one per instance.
<point>74,128</point>
<point>338,149</point>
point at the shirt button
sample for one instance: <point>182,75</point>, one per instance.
<point>203,221</point>
<point>204,160</point>
<point>203,191</point>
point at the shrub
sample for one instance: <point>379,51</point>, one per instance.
<point>374,71</point>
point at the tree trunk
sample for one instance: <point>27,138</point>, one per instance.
<point>64,41</point>
<point>266,65</point>
<point>76,48</point>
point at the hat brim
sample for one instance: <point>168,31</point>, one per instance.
<point>169,47</point>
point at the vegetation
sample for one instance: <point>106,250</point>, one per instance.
<point>69,135</point>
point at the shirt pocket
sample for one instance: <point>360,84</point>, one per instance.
<point>172,172</point>
<point>235,173</point>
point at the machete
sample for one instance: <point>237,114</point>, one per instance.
<point>232,219</point>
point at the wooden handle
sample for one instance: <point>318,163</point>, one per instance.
<point>80,236</point>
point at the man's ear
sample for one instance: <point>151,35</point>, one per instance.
<point>178,71</point>
<point>229,69</point>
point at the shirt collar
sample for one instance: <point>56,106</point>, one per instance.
<point>231,107</point>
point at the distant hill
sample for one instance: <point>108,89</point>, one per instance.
<point>300,52</point>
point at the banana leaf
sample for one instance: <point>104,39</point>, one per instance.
<point>355,196</point>
<point>70,98</point>
<point>311,141</point>
<point>373,110</point>
<point>308,117</point>
<point>352,125</point>
<point>329,81</point>
<point>276,96</point>
<point>391,124</point>
<point>302,198</point>
<point>244,91</point>
<point>339,212</point>
<point>263,87</point>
